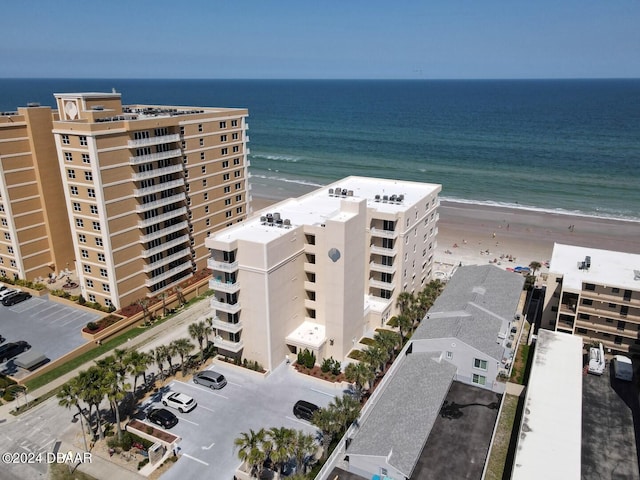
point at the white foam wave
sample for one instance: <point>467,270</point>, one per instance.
<point>277,158</point>
<point>288,180</point>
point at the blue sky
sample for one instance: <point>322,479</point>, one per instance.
<point>329,39</point>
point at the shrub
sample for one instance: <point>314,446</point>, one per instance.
<point>306,358</point>
<point>336,368</point>
<point>142,463</point>
<point>127,441</point>
<point>81,300</point>
<point>92,326</point>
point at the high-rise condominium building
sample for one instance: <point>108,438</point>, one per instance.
<point>320,271</point>
<point>595,294</point>
<point>139,187</point>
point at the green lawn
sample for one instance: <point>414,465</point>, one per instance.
<point>500,447</point>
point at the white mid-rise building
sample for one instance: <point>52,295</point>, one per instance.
<point>321,270</point>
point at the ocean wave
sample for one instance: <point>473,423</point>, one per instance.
<point>532,208</point>
<point>287,180</point>
<point>277,158</point>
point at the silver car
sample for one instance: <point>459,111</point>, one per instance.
<point>210,379</point>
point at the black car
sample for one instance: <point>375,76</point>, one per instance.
<point>10,350</point>
<point>162,417</point>
<point>15,298</point>
<point>305,410</point>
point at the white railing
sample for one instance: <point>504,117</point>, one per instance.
<point>163,261</point>
<point>149,282</point>
<point>378,232</point>
<point>226,326</point>
<point>165,246</point>
<point>225,307</point>
<point>143,207</point>
<point>156,172</point>
<point>220,286</point>
<point>228,345</point>
<point>160,218</point>
<point>144,142</point>
<point>141,192</point>
<point>382,268</point>
<point>152,157</point>
<point>390,252</point>
<point>222,266</point>
<point>381,284</point>
<point>164,231</point>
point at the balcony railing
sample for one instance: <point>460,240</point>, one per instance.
<point>228,345</point>
<point>143,207</point>
<point>161,218</point>
<point>226,326</point>
<point>220,286</point>
<point>164,231</point>
<point>141,192</point>
<point>149,282</point>
<point>381,284</point>
<point>165,246</point>
<point>156,172</point>
<point>222,266</point>
<point>390,252</point>
<point>145,142</point>
<point>163,261</point>
<point>152,157</point>
<point>225,307</point>
<point>378,267</point>
<point>378,232</point>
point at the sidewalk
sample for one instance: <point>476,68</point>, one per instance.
<point>191,314</point>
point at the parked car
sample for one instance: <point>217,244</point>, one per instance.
<point>15,298</point>
<point>10,350</point>
<point>162,417</point>
<point>210,379</point>
<point>6,292</point>
<point>304,410</point>
<point>180,401</point>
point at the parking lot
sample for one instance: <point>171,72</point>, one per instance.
<point>610,419</point>
<point>246,402</point>
<point>51,328</point>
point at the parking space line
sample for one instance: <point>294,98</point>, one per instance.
<point>204,389</point>
<point>323,393</point>
<point>188,421</point>
<point>196,459</point>
<point>207,408</point>
<point>299,421</point>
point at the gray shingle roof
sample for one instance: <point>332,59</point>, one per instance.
<point>403,416</point>
<point>477,304</point>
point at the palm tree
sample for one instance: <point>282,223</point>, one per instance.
<point>182,346</point>
<point>137,364</point>
<point>281,445</point>
<point>144,303</point>
<point>198,331</point>
<point>404,301</point>
<point>535,266</point>
<point>92,391</point>
<point>159,355</point>
<point>69,396</point>
<point>115,394</point>
<point>249,446</point>
<point>346,409</point>
<point>388,340</point>
<point>376,357</point>
<point>359,374</point>
<point>404,324</point>
<point>304,445</point>
<point>163,296</point>
<point>325,419</point>
<point>180,295</point>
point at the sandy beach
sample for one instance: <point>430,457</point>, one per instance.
<point>471,234</point>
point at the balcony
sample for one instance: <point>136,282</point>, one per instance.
<point>228,345</point>
<point>147,222</point>
<point>378,267</point>
<point>145,142</point>
<point>141,192</point>
<point>156,172</point>
<point>143,207</point>
<point>166,246</point>
<point>389,252</point>
<point>226,326</point>
<point>220,286</point>
<point>149,282</point>
<point>617,298</point>
<point>630,317</point>
<point>164,231</point>
<point>222,266</point>
<point>378,232</point>
<point>381,284</point>
<point>310,304</point>
<point>153,157</point>
<point>310,267</point>
<point>163,261</point>
<point>225,307</point>
<point>630,331</point>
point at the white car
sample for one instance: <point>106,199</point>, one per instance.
<point>8,291</point>
<point>179,401</point>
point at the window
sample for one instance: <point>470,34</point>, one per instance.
<point>589,286</point>
<point>206,196</point>
<point>225,177</point>
<point>79,223</point>
<point>187,187</point>
<point>101,257</point>
<point>185,160</point>
<point>82,238</point>
<point>84,253</point>
<point>71,173</point>
<point>581,331</point>
<point>615,290</point>
<point>13,263</point>
<point>227,189</point>
<point>96,226</point>
<point>238,198</point>
<point>234,136</point>
<point>236,149</point>
<point>74,190</point>
<point>88,176</point>
<point>227,201</point>
<point>234,123</point>
<point>587,301</point>
<point>89,283</point>
<point>479,379</point>
<point>224,151</point>
<point>200,127</point>
<point>92,298</point>
<point>236,161</point>
<point>86,268</point>
<point>186,174</point>
<point>7,235</point>
<point>237,173</point>
<point>85,158</point>
<point>202,157</point>
<point>225,164</point>
<point>238,186</point>
<point>77,207</point>
<point>83,140</point>
<point>202,142</point>
<point>449,355</point>
<point>227,214</point>
<point>204,182</point>
<point>203,169</point>
<point>223,138</point>
<point>480,364</point>
<point>239,210</point>
<point>65,139</point>
<point>223,124</point>
<point>207,222</point>
<point>68,156</point>
<point>91,193</point>
<point>4,222</point>
<point>206,209</point>
<point>103,272</point>
<point>99,241</point>
<point>94,209</point>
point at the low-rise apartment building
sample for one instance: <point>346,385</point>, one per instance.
<point>595,294</point>
<point>319,271</point>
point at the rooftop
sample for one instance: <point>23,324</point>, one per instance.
<point>325,203</point>
<point>614,269</point>
<point>551,429</point>
<point>403,416</point>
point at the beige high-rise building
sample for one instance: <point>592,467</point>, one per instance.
<point>35,239</point>
<point>320,271</point>
<point>122,195</point>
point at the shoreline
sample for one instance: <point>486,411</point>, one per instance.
<point>476,234</point>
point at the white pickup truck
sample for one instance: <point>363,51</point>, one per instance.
<point>596,360</point>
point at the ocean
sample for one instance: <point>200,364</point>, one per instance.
<point>566,146</point>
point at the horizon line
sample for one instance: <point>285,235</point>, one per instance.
<point>326,79</point>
